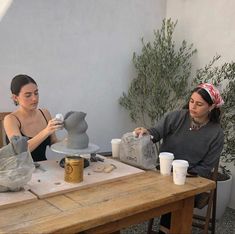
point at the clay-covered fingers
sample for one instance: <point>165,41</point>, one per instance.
<point>54,124</point>
<point>140,131</point>
<point>59,124</point>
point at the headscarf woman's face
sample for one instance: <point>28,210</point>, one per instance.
<point>28,96</point>
<point>198,107</point>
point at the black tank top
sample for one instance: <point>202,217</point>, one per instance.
<point>39,153</point>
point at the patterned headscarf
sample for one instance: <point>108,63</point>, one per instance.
<point>213,92</point>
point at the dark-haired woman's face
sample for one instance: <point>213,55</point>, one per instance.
<point>28,96</point>
<point>198,107</point>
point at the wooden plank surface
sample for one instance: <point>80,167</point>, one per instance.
<point>8,199</point>
<point>109,206</point>
<point>48,179</point>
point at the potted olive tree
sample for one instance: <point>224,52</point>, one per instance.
<point>162,74</point>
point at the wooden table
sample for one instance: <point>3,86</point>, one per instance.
<point>108,207</point>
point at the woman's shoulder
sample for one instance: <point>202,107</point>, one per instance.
<point>46,113</point>
<point>217,127</point>
<point>12,119</point>
<point>11,116</point>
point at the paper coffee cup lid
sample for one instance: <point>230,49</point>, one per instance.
<point>115,140</point>
<point>180,163</point>
<point>166,155</point>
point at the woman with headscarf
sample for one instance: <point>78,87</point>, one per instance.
<point>193,133</point>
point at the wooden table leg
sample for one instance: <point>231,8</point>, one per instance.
<point>181,219</point>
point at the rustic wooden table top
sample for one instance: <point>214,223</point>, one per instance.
<point>107,207</point>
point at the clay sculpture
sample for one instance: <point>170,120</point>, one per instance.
<point>76,126</point>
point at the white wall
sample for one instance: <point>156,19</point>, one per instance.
<point>80,54</point>
<point>208,24</point>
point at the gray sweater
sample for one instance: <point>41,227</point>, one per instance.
<point>201,148</point>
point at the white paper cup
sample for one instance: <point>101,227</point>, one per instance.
<point>166,159</point>
<point>115,147</point>
<point>180,168</point>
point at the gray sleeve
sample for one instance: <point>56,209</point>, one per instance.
<point>207,164</point>
<point>165,125</point>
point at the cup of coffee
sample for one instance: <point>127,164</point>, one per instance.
<point>115,147</point>
<point>166,159</point>
<point>180,168</point>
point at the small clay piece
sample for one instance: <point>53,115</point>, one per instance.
<point>108,168</point>
<point>36,164</point>
<point>59,117</point>
<point>98,168</point>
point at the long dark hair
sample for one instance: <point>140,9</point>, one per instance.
<point>214,115</point>
<point>18,82</point>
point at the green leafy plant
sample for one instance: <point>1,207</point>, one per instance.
<point>162,75</point>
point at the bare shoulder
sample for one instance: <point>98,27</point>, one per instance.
<point>11,123</point>
<point>46,113</point>
<point>11,118</point>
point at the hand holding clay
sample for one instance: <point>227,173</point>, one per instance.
<point>59,117</point>
<point>54,125</point>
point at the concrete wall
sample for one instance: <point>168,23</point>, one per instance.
<point>208,24</point>
<point>80,54</point>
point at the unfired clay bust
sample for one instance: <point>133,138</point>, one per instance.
<point>75,124</point>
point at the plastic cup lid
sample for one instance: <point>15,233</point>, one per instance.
<point>115,140</point>
<point>166,155</point>
<point>180,163</point>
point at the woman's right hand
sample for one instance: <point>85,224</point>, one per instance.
<point>54,125</point>
<point>140,131</point>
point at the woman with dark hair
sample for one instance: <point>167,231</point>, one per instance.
<point>193,133</point>
<point>28,120</point>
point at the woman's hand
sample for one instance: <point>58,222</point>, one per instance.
<point>139,132</point>
<point>54,125</point>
